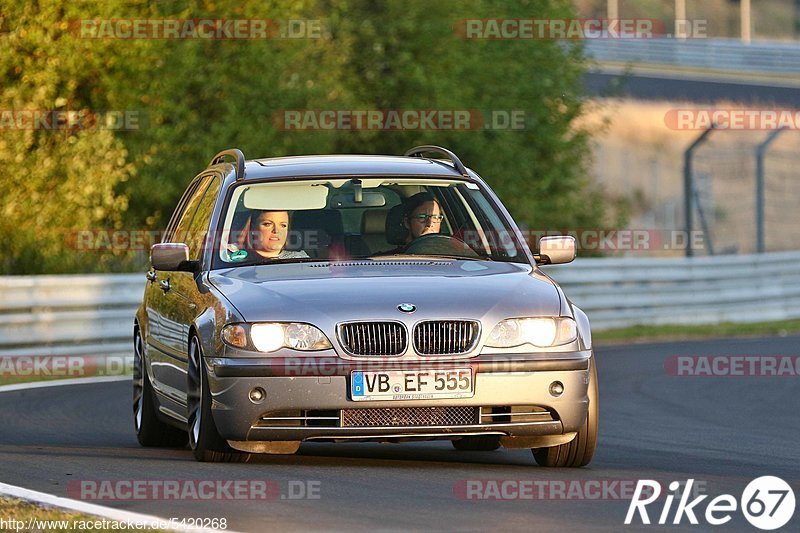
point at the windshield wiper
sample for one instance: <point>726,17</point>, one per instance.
<point>430,257</point>
<point>378,257</point>
<point>287,260</point>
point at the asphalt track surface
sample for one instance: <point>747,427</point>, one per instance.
<point>720,431</point>
<point>676,88</point>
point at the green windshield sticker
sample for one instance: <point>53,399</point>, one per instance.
<point>239,255</point>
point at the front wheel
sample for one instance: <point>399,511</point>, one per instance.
<point>580,450</point>
<point>204,440</point>
<point>150,431</point>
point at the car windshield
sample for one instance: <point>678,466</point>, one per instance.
<point>359,218</point>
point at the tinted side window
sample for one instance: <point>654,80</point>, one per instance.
<point>502,239</point>
<point>198,229</point>
<point>179,210</point>
<point>185,218</point>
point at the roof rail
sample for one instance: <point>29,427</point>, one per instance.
<point>236,154</point>
<point>419,150</point>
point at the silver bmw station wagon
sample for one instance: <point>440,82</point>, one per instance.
<point>352,298</point>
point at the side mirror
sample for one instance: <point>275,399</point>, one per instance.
<point>170,257</point>
<point>556,250</point>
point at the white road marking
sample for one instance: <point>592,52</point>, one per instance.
<point>96,510</point>
<point>76,505</point>
<point>60,382</point>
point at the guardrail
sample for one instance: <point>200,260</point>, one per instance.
<point>706,54</point>
<point>698,290</point>
<point>93,314</point>
<point>68,315</point>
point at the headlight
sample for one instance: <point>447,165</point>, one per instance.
<point>268,337</point>
<point>271,336</point>
<point>541,332</point>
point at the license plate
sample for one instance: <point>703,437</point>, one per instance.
<point>411,384</point>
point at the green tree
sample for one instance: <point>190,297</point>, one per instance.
<point>408,55</point>
<point>55,181</point>
<point>202,96</point>
<point>196,97</point>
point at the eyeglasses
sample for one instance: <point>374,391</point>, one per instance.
<point>422,217</point>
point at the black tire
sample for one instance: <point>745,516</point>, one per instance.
<point>204,440</point>
<point>580,450</point>
<point>150,431</point>
<point>478,443</point>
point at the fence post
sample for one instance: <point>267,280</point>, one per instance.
<point>688,186</point>
<point>761,150</point>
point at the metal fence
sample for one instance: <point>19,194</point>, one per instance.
<point>725,187</point>
<point>735,195</point>
<point>699,290</point>
<point>68,315</point>
<point>93,315</point>
<point>704,54</point>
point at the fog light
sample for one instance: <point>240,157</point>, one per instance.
<point>257,395</point>
<point>556,388</point>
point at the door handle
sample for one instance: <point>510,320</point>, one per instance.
<point>164,285</point>
<point>151,275</point>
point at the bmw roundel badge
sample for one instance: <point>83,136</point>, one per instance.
<point>407,308</point>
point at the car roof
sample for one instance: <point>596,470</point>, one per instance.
<point>349,165</point>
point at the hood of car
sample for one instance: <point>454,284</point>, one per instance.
<point>325,294</point>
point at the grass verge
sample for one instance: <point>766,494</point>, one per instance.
<point>29,368</point>
<point>13,380</point>
<point>636,334</point>
<point>19,515</point>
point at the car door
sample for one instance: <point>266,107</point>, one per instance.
<point>153,294</point>
<point>183,300</point>
<point>166,353</point>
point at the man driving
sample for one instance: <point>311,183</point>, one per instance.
<point>422,216</point>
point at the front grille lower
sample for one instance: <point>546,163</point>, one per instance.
<point>505,414</point>
<point>298,418</point>
<point>374,338</point>
<point>405,416</point>
<point>445,337</point>
<point>409,416</point>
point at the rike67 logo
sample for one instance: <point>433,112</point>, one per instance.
<point>767,502</point>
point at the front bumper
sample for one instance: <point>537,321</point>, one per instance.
<point>314,392</point>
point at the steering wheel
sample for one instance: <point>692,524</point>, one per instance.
<point>438,244</point>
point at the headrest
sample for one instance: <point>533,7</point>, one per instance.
<point>328,220</point>
<point>374,221</point>
<point>396,231</point>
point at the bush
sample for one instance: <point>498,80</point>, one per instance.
<point>196,97</point>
